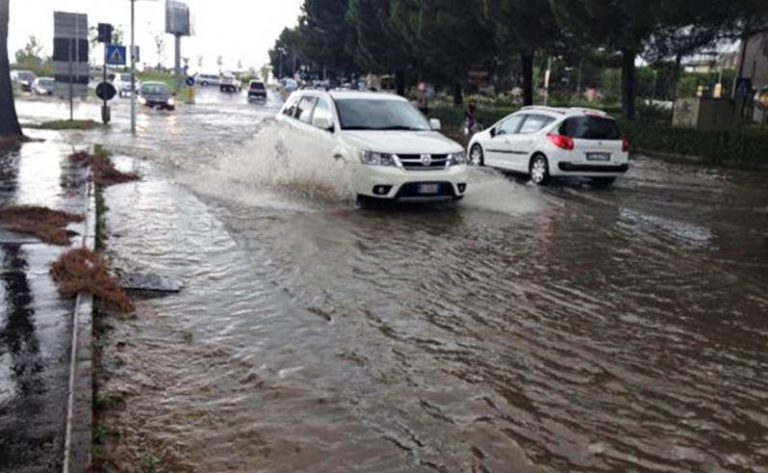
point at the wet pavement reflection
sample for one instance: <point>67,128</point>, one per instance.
<point>526,329</point>
<point>35,325</point>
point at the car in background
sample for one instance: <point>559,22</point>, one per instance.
<point>43,86</point>
<point>395,153</point>
<point>156,95</point>
<point>546,143</point>
<point>289,85</point>
<point>229,82</point>
<point>205,80</point>
<point>257,91</point>
<point>25,79</point>
<point>122,83</point>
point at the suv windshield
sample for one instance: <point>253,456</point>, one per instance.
<point>590,128</point>
<point>372,114</point>
<point>155,89</point>
<point>257,86</point>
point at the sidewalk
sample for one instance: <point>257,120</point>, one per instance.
<point>35,323</point>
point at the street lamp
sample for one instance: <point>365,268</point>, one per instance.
<point>133,65</point>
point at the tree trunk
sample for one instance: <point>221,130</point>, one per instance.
<point>9,121</point>
<point>400,82</point>
<point>628,83</point>
<point>526,62</point>
<point>458,94</point>
<point>676,76</point>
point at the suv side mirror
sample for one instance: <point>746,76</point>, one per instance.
<point>435,124</point>
<point>323,123</point>
<point>493,132</point>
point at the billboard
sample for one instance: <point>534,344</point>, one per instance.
<point>177,18</point>
<point>70,54</point>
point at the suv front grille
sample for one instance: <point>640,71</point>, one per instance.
<point>416,162</point>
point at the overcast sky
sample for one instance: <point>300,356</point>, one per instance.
<point>238,30</point>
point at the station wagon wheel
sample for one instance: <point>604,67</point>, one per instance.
<point>476,157</point>
<point>539,170</point>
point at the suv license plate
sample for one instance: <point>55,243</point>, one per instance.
<point>598,157</point>
<point>429,188</point>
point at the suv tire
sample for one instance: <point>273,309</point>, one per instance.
<point>476,156</point>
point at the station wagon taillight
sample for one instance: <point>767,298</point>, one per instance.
<point>625,146</point>
<point>562,142</point>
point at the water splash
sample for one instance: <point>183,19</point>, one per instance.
<point>277,163</point>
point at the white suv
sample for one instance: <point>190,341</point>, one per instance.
<point>546,143</point>
<point>395,153</point>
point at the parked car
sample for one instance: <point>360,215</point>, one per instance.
<point>205,80</point>
<point>122,83</point>
<point>546,143</point>
<point>394,151</point>
<point>43,86</point>
<point>228,82</point>
<point>257,91</point>
<point>156,95</point>
<point>25,79</point>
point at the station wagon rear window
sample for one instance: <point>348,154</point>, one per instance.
<point>591,128</point>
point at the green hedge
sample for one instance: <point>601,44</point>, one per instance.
<point>748,145</point>
<point>452,116</point>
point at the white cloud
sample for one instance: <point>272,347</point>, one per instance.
<point>238,30</point>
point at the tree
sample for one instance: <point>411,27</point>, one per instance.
<point>9,120</point>
<point>523,27</point>
<point>160,49</point>
<point>377,43</point>
<point>266,71</point>
<point>31,56</point>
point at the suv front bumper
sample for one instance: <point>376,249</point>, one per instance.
<point>445,184</point>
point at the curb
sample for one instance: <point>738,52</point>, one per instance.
<point>79,427</point>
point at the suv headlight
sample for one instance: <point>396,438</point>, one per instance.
<point>171,102</point>
<point>457,159</point>
<point>370,158</point>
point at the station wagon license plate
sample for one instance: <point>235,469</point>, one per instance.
<point>428,189</point>
<point>598,156</point>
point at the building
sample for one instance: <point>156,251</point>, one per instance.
<point>755,64</point>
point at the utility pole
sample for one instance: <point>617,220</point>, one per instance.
<point>177,63</point>
<point>547,77</point>
<point>133,67</point>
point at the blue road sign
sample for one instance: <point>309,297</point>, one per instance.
<point>116,55</point>
<point>190,81</point>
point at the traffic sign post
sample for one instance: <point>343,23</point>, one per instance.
<point>116,55</point>
<point>70,56</point>
<point>103,89</point>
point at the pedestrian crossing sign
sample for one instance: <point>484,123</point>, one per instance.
<point>116,55</point>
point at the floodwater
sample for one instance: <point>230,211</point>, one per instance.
<point>525,329</point>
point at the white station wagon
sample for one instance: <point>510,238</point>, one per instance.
<point>394,151</point>
<point>546,143</point>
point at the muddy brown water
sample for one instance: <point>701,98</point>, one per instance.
<point>526,329</point>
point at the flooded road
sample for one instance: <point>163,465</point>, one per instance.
<point>525,329</point>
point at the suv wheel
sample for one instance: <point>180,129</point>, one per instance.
<point>539,170</point>
<point>476,156</point>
